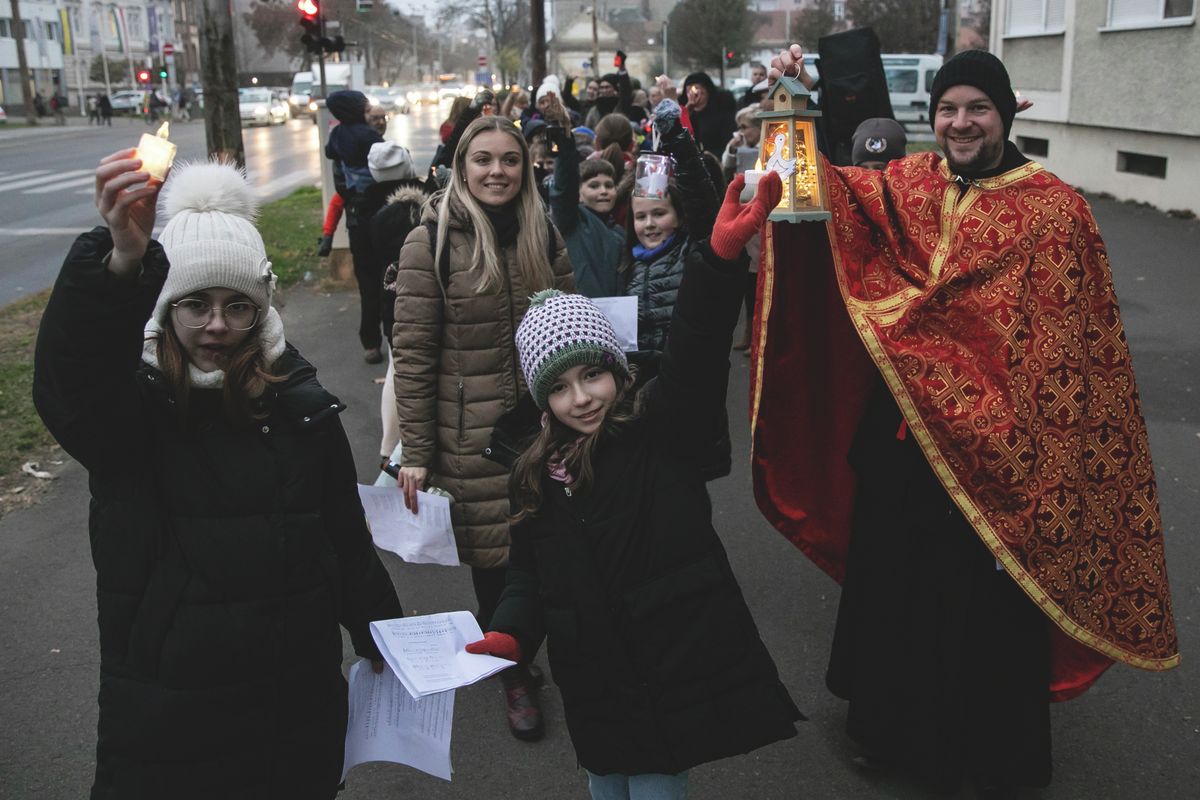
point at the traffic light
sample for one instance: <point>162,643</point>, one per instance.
<point>143,76</point>
<point>310,20</point>
<point>730,58</point>
<point>162,73</point>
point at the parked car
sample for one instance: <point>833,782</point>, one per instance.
<point>261,106</point>
<point>3,116</point>
<point>128,101</point>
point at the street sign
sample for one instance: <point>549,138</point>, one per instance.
<point>483,61</point>
<point>168,49</point>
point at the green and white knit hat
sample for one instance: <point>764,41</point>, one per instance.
<point>561,331</point>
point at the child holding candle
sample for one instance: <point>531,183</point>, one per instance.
<point>226,530</point>
<point>664,228</point>
<point>614,560</point>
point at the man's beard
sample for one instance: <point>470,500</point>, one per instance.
<point>986,157</point>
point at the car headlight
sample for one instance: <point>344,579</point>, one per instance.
<point>260,111</point>
<point>372,100</point>
<point>312,105</point>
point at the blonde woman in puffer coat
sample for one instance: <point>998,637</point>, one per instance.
<point>464,281</point>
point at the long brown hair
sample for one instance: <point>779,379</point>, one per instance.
<point>532,260</point>
<point>525,480</point>
<point>246,377</point>
<point>614,140</point>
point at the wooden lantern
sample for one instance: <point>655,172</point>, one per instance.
<point>788,146</point>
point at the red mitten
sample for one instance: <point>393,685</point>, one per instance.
<point>736,223</point>
<point>496,644</point>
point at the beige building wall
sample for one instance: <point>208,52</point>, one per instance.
<point>1099,93</point>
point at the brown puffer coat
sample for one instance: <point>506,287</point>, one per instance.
<point>457,371</point>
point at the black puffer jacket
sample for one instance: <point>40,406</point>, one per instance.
<point>226,556</point>
<point>660,664</point>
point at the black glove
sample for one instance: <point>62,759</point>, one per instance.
<point>619,60</point>
<point>324,246</point>
<point>558,135</point>
<point>484,98</point>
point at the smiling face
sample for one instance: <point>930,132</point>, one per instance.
<point>606,89</point>
<point>593,89</point>
<point>653,221</point>
<point>598,193</point>
<point>969,129</point>
<point>582,396</point>
<point>493,168</point>
<point>210,346</point>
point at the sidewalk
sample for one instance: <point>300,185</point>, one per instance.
<point>16,128</point>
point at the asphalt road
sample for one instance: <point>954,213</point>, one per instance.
<point>46,183</point>
<point>1134,735</point>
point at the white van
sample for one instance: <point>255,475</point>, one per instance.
<point>909,78</point>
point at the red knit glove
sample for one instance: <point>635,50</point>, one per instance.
<point>496,644</point>
<point>736,223</point>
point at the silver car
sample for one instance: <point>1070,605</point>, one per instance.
<point>262,107</point>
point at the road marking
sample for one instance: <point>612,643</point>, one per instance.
<point>15,181</point>
<point>89,180</point>
<point>41,231</point>
<point>283,182</point>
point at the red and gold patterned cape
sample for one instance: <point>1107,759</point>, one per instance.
<point>993,321</point>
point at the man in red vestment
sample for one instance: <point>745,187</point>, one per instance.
<point>945,419</point>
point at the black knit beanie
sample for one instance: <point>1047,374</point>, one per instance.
<point>986,73</point>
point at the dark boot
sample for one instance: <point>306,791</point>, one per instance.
<point>520,695</point>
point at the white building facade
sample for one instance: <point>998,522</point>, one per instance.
<point>65,37</point>
<point>1113,85</point>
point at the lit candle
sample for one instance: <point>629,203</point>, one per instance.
<point>156,153</point>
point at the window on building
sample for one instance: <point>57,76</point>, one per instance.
<point>1033,146</point>
<point>52,31</point>
<point>839,10</point>
<point>5,28</point>
<point>133,21</point>
<point>1141,164</point>
<point>1028,17</point>
<point>1143,12</point>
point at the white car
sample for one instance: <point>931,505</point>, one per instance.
<point>262,107</point>
<point>128,101</point>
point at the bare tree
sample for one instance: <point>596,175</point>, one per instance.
<point>903,26</point>
<point>814,22</point>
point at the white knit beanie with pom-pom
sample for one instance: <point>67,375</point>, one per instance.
<point>211,242</point>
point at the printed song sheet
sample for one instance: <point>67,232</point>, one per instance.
<point>388,724</point>
<point>428,653</point>
<point>622,313</point>
<point>422,538</point>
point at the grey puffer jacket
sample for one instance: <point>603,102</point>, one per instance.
<point>457,372</point>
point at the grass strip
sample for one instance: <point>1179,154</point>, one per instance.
<point>289,227</point>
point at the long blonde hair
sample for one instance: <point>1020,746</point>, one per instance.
<point>533,262</point>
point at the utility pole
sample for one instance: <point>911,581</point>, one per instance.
<point>595,44</point>
<point>23,64</point>
<point>538,50</point>
<point>219,76</point>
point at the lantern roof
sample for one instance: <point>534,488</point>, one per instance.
<point>788,93</point>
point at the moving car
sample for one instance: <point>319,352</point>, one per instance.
<point>261,106</point>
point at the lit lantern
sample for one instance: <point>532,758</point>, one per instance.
<point>788,146</point>
<point>156,152</point>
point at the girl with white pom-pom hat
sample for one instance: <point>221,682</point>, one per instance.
<point>225,524</point>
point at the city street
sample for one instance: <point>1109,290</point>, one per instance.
<point>46,179</point>
<point>1134,735</point>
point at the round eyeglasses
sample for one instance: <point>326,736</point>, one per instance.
<point>192,312</point>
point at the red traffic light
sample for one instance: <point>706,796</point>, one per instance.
<point>143,76</point>
<point>308,8</point>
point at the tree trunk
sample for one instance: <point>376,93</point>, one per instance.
<point>219,76</point>
<point>538,49</point>
<point>18,31</point>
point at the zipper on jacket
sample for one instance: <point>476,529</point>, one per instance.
<point>514,357</point>
<point>461,411</point>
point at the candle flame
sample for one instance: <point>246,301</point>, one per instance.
<point>164,130</point>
